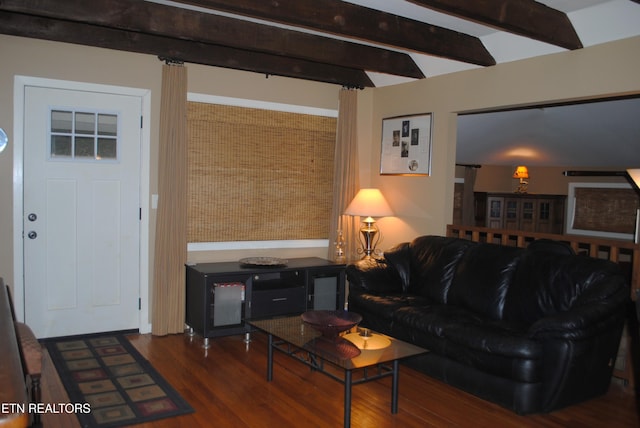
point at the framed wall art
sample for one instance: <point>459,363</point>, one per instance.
<point>406,145</point>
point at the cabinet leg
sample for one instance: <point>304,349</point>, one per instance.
<point>191,332</point>
<point>247,337</point>
<point>206,344</point>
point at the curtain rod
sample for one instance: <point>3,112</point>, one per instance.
<point>170,61</point>
<point>594,173</point>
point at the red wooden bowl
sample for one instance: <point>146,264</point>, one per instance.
<point>331,323</point>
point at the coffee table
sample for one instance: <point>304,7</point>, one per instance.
<point>359,356</point>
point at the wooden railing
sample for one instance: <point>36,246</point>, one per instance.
<point>625,253</point>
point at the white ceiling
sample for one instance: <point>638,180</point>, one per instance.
<point>595,21</point>
<point>603,134</point>
<point>596,135</point>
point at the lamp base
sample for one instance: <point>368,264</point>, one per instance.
<point>369,238</point>
<point>522,187</point>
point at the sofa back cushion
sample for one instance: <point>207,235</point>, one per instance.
<point>482,279</point>
<point>433,263</point>
<point>546,284</point>
<point>399,258</point>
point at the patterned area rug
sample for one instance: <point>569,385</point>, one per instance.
<point>120,386</point>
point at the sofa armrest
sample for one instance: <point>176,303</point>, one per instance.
<point>583,321</point>
<point>374,276</point>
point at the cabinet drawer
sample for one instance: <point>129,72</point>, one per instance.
<point>278,301</point>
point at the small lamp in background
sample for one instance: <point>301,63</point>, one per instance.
<point>521,173</point>
<point>369,203</point>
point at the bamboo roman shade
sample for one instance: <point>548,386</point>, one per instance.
<point>606,210</point>
<point>258,174</point>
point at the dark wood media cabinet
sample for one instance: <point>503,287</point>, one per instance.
<point>220,297</point>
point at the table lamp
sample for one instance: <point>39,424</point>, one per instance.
<point>369,203</point>
<point>522,173</point>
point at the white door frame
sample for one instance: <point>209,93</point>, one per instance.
<point>20,82</point>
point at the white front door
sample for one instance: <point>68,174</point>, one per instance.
<point>81,211</point>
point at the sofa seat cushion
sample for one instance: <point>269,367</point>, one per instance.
<point>496,347</point>
<point>383,306</point>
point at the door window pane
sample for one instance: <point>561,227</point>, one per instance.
<point>83,135</point>
<point>60,146</point>
<point>84,147</point>
<point>108,124</point>
<point>61,121</point>
<point>107,148</point>
<point>85,123</point>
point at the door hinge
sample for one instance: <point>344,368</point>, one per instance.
<point>141,122</point>
<point>140,213</point>
<point>139,303</point>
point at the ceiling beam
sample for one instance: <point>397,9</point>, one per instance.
<point>160,20</point>
<point>524,17</point>
<point>188,51</point>
<point>346,19</point>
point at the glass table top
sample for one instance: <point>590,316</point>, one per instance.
<point>357,348</point>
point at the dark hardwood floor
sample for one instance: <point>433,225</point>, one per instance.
<point>227,387</point>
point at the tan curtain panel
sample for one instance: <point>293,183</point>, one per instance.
<point>345,177</point>
<point>468,203</point>
<point>257,174</point>
<point>171,223</point>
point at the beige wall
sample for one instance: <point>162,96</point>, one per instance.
<point>424,205</point>
<point>36,58</point>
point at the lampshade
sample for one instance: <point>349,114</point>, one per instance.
<point>635,175</point>
<point>521,172</point>
<point>370,203</point>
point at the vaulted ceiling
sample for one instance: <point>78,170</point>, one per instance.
<point>360,43</point>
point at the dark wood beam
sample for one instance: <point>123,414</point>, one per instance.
<point>525,17</point>
<point>187,51</point>
<point>160,20</point>
<point>346,19</point>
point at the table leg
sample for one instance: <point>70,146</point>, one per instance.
<point>394,387</point>
<point>347,398</point>
<point>270,359</point>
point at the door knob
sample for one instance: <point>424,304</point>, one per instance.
<point>32,234</point>
<point>32,217</point>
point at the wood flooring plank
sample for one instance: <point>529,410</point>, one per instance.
<point>227,387</point>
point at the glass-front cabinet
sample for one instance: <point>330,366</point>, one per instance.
<point>526,212</point>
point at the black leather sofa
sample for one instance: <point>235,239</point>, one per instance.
<point>531,330</point>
